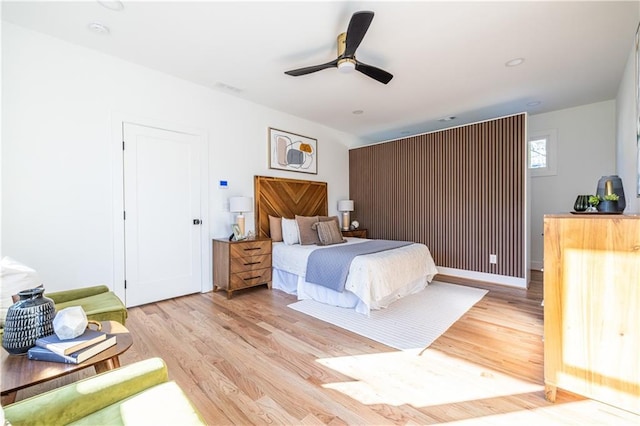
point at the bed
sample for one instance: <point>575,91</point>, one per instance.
<point>373,281</point>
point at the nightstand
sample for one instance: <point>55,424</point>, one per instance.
<point>358,233</point>
<point>241,264</point>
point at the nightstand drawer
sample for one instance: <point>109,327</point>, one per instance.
<point>251,248</point>
<point>358,233</point>
<point>250,278</point>
<point>249,263</point>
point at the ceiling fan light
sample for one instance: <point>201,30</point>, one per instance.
<point>346,66</point>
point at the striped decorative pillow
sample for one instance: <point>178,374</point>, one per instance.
<point>328,218</point>
<point>328,233</point>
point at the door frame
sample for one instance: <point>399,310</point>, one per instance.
<point>118,119</point>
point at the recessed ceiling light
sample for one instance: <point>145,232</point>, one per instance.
<point>98,28</point>
<point>357,112</point>
<point>533,103</point>
<point>451,117</point>
<point>112,4</point>
<point>514,62</point>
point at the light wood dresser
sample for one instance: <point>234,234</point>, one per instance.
<point>592,307</point>
<point>241,264</point>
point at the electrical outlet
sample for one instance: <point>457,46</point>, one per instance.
<point>493,259</point>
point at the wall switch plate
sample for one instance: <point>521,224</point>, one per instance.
<point>493,259</point>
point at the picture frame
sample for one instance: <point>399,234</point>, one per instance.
<point>237,236</point>
<point>292,152</point>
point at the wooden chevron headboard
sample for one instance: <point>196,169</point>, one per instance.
<point>282,197</point>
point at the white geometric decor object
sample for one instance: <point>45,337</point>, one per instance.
<point>70,322</point>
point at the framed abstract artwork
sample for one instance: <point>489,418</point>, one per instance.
<point>292,152</point>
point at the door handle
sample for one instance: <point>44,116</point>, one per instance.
<point>197,221</point>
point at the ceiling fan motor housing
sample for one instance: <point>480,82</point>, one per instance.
<point>345,65</point>
<point>342,43</point>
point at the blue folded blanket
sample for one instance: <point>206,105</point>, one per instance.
<point>329,267</point>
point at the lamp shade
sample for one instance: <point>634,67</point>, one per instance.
<point>345,205</point>
<point>240,204</point>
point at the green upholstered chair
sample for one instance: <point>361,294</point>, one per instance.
<point>98,303</point>
<point>139,393</point>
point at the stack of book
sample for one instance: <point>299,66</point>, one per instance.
<point>71,351</point>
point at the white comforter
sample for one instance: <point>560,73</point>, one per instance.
<point>376,279</point>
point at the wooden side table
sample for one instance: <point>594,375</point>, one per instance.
<point>241,264</point>
<point>19,372</point>
<point>358,233</point>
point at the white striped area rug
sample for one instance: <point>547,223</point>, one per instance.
<point>413,322</point>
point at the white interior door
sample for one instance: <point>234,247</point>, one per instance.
<point>162,214</point>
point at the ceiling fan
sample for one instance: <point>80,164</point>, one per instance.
<point>347,44</point>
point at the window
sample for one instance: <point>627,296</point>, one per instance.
<point>538,153</point>
<point>541,153</point>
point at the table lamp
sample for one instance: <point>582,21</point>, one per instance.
<point>240,205</point>
<point>345,206</point>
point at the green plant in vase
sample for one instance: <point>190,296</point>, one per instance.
<point>594,200</point>
<point>609,203</point>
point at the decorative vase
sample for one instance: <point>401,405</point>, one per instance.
<point>28,319</point>
<point>608,206</point>
<point>612,184</point>
<point>581,204</point>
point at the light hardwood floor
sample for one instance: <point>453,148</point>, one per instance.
<point>252,360</point>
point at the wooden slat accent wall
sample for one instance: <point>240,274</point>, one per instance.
<point>460,191</point>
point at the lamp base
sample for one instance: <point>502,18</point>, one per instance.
<point>345,221</point>
<point>240,221</point>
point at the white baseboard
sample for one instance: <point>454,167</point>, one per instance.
<point>483,276</point>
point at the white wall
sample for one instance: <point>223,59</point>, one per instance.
<point>586,151</point>
<point>627,148</point>
<point>58,103</point>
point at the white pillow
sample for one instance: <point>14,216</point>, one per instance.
<point>14,277</point>
<point>290,233</point>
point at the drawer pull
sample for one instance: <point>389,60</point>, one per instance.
<point>252,248</point>
<point>251,278</point>
<point>252,263</point>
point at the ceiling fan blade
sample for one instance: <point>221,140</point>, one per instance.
<point>358,27</point>
<point>376,73</point>
<point>314,68</point>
